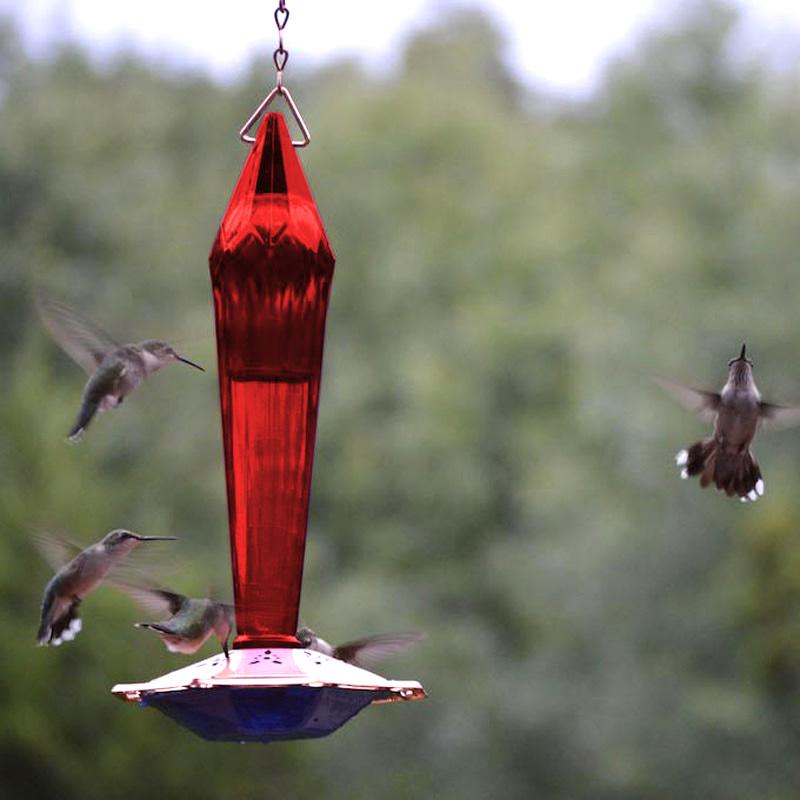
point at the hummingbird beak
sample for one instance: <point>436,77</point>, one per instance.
<point>154,538</point>
<point>190,363</point>
<point>742,355</point>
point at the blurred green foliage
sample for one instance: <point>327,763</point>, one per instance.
<point>494,465</point>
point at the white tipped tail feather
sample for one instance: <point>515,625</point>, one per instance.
<point>735,472</point>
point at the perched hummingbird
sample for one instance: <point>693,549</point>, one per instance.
<point>114,370</point>
<point>360,652</point>
<point>725,458</point>
<point>191,620</point>
<point>76,576</point>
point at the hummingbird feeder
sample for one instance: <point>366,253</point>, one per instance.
<point>271,270</point>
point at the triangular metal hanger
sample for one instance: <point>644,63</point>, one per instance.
<point>264,105</point>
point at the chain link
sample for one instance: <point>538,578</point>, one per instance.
<point>281,54</point>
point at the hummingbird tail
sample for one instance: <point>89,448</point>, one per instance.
<point>43,634</point>
<point>739,474</point>
<point>153,626</point>
<point>87,411</point>
<point>696,459</point>
<point>63,629</point>
<point>735,473</point>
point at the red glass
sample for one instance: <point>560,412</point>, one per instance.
<point>271,271</point>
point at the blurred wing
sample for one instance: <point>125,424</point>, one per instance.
<point>698,401</point>
<point>80,339</point>
<point>230,613</point>
<point>779,416</point>
<point>215,595</point>
<point>155,601</point>
<point>149,567</point>
<point>374,648</point>
<point>55,550</point>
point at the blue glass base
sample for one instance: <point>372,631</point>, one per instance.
<point>258,714</point>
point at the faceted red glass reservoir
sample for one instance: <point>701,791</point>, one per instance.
<point>271,271</point>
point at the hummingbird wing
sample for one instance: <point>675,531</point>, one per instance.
<point>228,608</point>
<point>82,340</point>
<point>773,416</point>
<point>214,594</point>
<point>698,401</point>
<point>370,649</point>
<point>55,550</point>
<point>156,601</point>
<point>230,613</point>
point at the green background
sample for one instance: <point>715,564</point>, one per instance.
<point>494,464</point>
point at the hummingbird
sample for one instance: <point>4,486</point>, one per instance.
<point>191,620</point>
<point>737,410</point>
<point>359,652</point>
<point>76,576</point>
<point>114,370</point>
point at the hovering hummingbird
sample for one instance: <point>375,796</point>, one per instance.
<point>360,652</point>
<point>76,576</point>
<point>114,370</point>
<point>191,620</point>
<point>725,457</point>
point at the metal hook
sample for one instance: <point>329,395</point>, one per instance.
<point>262,107</point>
